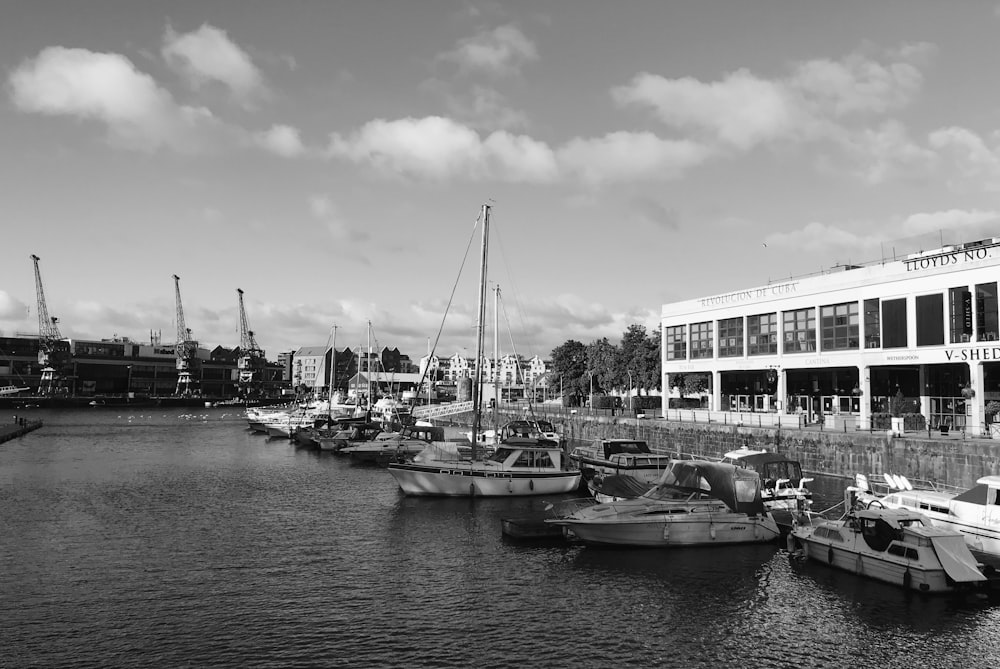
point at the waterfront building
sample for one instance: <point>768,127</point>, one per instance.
<point>843,344</point>
<point>121,366</point>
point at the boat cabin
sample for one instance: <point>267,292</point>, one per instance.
<point>772,468</point>
<point>423,433</point>
<point>528,453</point>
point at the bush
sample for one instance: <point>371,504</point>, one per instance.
<point>991,410</point>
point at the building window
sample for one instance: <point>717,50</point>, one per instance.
<point>873,324</point>
<point>730,337</point>
<point>799,329</point>
<point>840,325</point>
<point>960,314</point>
<point>930,320</point>
<point>676,342</point>
<point>894,323</point>
<point>986,312</point>
<point>701,340</point>
<point>762,334</point>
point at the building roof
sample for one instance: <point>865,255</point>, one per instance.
<point>312,351</point>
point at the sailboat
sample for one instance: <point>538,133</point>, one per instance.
<point>519,466</point>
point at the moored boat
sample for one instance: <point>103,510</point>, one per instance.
<point>897,546</point>
<point>972,512</point>
<point>620,457</point>
<point>695,503</point>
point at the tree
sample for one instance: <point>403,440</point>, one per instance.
<point>640,354</point>
<point>569,364</point>
<point>603,361</point>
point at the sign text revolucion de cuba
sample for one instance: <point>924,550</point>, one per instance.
<point>752,294</point>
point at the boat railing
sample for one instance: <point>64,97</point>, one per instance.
<point>887,483</point>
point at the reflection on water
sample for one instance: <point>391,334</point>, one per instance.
<point>185,540</point>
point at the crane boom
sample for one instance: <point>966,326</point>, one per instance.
<point>251,361</point>
<point>53,353</point>
<point>186,348</point>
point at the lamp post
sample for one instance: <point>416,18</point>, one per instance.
<point>128,384</point>
<point>629,390</point>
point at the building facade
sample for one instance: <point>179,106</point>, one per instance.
<point>849,342</point>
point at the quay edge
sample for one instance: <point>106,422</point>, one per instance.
<point>955,460</point>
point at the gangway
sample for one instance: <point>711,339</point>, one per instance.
<point>440,410</point>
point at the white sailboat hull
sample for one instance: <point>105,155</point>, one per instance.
<point>464,479</point>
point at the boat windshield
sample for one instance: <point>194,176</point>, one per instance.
<point>666,493</point>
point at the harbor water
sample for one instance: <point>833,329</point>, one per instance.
<point>172,539</point>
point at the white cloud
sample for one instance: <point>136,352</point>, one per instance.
<point>439,148</point>
<point>952,220</point>
<point>741,110</point>
<point>625,156</point>
<point>973,159</point>
<point>283,140</point>
<point>206,55</point>
<point>744,110</point>
<point>886,152</point>
<point>822,238</point>
<point>326,211</point>
<point>108,88</point>
<point>504,50</point>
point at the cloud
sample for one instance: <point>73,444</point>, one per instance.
<point>655,213</point>
<point>502,51</point>
<point>626,156</point>
<point>439,148</point>
<point>12,309</point>
<point>744,110</point>
<point>208,55</point>
<point>485,108</point>
<point>919,231</point>
<point>282,140</point>
<point>887,152</point>
<point>326,211</point>
<point>107,87</point>
<point>972,157</point>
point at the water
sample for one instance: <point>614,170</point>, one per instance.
<point>182,540</point>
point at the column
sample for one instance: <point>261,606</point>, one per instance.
<point>974,415</point>
<point>716,403</point>
<point>925,399</point>
<point>781,393</point>
<point>865,383</point>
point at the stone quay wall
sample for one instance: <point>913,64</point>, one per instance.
<point>950,461</point>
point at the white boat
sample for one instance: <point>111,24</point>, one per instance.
<point>408,442</point>
<point>897,546</point>
<point>620,457</point>
<point>974,513</point>
<point>782,485</point>
<point>695,503</point>
<point>12,390</point>
<point>520,465</point>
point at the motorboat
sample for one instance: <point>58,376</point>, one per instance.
<point>972,512</point>
<point>406,443</point>
<point>695,503</point>
<point>897,546</point>
<point>782,485</point>
<point>620,457</point>
<point>348,433</point>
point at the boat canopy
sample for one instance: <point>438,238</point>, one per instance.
<point>738,487</point>
<point>956,559</point>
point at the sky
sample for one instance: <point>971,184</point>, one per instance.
<point>331,159</point>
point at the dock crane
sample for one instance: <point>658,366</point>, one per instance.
<point>53,351</point>
<point>186,350</point>
<point>251,361</point>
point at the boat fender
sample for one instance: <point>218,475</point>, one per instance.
<point>907,578</point>
<point>829,555</point>
<point>791,543</point>
<point>531,485</point>
<point>711,531</point>
<point>472,490</point>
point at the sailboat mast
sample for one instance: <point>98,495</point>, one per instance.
<point>333,373</point>
<point>477,390</point>
<point>368,364</point>
<point>496,355</point>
